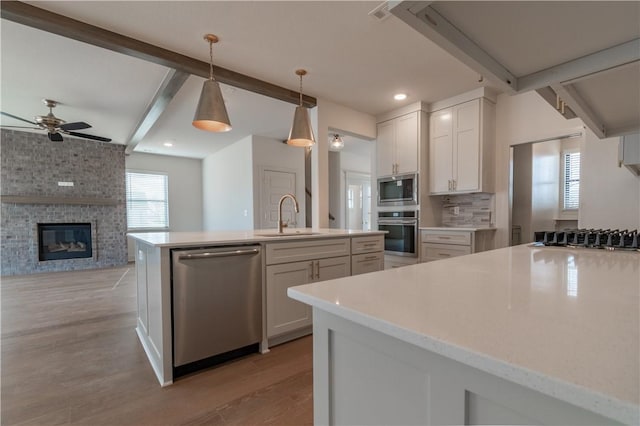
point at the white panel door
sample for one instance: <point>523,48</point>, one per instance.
<point>407,143</point>
<point>440,151</point>
<point>467,149</point>
<point>276,183</point>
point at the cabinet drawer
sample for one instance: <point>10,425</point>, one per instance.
<point>285,252</point>
<point>442,251</point>
<point>367,244</point>
<point>363,263</point>
<point>447,237</point>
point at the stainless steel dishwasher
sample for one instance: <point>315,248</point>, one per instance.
<point>217,304</point>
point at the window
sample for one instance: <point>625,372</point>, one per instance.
<point>147,200</point>
<point>570,180</point>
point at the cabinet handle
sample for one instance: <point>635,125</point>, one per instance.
<point>455,185</point>
<point>444,254</point>
<point>313,263</point>
<point>317,269</point>
<point>371,258</point>
<point>442,237</point>
<point>449,182</point>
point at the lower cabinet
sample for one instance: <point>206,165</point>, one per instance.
<point>368,262</point>
<point>284,314</point>
<point>436,244</point>
<point>289,264</point>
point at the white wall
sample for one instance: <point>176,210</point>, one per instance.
<point>545,185</point>
<point>329,115</point>
<point>613,196</point>
<point>227,188</point>
<point>272,154</point>
<point>185,188</point>
<point>522,176</point>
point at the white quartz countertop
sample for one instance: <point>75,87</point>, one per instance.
<point>183,239</point>
<point>451,228</point>
<point>565,322</point>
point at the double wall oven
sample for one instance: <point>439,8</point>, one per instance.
<point>401,238</point>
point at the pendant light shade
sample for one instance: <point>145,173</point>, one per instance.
<point>211,113</point>
<point>301,133</point>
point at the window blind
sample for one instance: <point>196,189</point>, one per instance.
<point>147,200</point>
<point>571,191</point>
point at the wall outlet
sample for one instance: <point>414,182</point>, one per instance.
<point>246,213</point>
<point>455,210</point>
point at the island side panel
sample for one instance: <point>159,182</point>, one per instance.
<point>362,376</point>
<point>154,308</point>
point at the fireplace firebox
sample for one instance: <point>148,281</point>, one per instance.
<point>64,241</point>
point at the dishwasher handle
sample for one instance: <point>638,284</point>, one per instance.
<point>209,255</point>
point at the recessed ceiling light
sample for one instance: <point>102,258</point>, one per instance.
<point>169,144</point>
<point>400,96</point>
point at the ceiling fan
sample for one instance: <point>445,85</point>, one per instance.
<point>55,126</point>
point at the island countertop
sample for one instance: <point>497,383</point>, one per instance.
<point>185,239</point>
<point>562,321</point>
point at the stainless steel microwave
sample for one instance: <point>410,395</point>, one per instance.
<point>398,190</point>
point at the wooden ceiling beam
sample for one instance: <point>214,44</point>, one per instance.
<point>44,20</point>
<point>171,84</point>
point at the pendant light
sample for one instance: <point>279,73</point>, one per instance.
<point>336,142</point>
<point>301,133</point>
<point>211,114</point>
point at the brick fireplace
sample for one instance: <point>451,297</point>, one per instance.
<point>76,181</point>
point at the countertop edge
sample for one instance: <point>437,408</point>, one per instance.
<point>622,411</point>
<point>455,228</point>
<point>247,237</point>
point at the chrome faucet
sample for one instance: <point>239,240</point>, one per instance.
<point>281,224</point>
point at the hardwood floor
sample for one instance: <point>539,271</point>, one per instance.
<point>70,356</point>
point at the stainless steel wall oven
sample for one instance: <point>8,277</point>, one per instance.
<point>402,232</point>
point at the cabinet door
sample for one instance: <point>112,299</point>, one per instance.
<point>466,151</point>
<point>440,151</point>
<point>368,262</point>
<point>336,267</point>
<point>285,314</point>
<point>385,148</point>
<point>407,143</point>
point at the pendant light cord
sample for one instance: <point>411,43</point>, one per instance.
<point>210,60</point>
<point>300,89</point>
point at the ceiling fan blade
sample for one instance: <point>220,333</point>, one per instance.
<point>55,137</point>
<point>19,127</point>
<point>17,118</point>
<point>84,135</point>
<point>78,125</point>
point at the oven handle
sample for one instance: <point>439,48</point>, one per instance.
<point>397,222</point>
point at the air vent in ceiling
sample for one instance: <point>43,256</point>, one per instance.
<point>381,12</point>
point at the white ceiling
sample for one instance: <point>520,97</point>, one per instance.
<point>353,59</point>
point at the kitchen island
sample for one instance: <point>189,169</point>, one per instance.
<point>295,257</point>
<point>520,335</point>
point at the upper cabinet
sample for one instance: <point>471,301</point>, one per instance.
<point>461,144</point>
<point>398,145</point>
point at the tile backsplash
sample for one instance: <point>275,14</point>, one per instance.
<point>472,210</point>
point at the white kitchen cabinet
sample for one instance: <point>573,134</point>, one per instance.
<point>365,263</point>
<point>442,243</point>
<point>295,263</point>
<point>461,146</point>
<point>367,254</point>
<point>398,145</point>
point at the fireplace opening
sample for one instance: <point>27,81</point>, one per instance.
<point>64,241</point>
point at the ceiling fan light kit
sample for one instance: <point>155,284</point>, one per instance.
<point>301,133</point>
<point>54,125</point>
<point>211,113</point>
